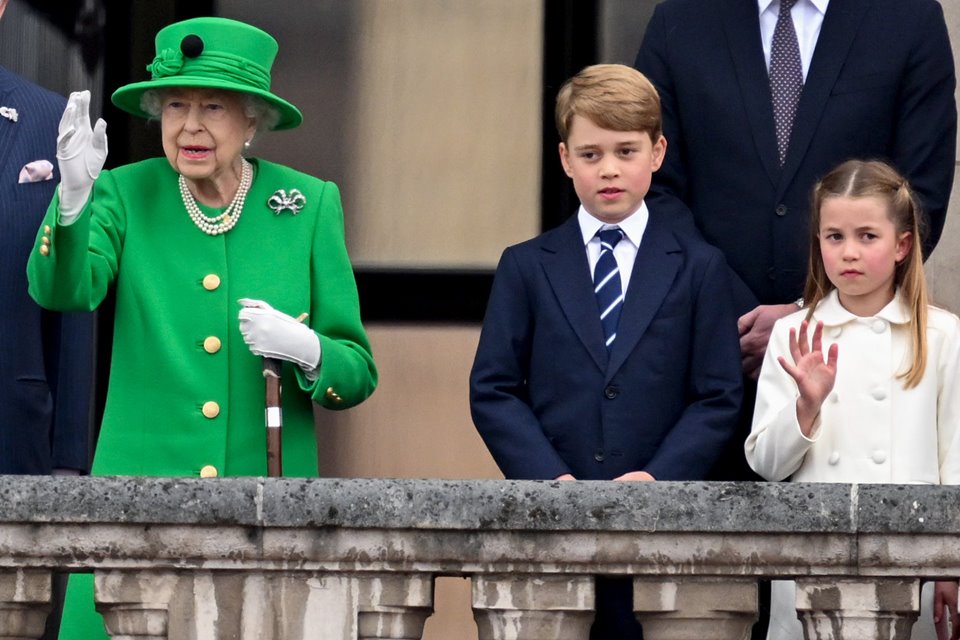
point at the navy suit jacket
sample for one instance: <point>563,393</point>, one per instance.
<point>548,398</point>
<point>880,85</point>
<point>46,358</point>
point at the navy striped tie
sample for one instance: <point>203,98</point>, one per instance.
<point>606,283</point>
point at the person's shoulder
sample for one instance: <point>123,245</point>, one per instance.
<point>689,240</point>
<point>273,171</point>
<point>943,321</point>
<point>31,97</point>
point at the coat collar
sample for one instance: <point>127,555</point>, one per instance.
<point>832,314</point>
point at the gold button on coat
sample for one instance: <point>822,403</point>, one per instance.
<point>211,344</point>
<point>211,409</point>
<point>46,229</point>
<point>208,471</point>
<point>44,250</point>
<point>44,240</point>
<point>211,282</point>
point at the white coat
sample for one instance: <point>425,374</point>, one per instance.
<point>870,429</point>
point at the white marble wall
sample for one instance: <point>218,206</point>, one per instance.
<point>943,267</point>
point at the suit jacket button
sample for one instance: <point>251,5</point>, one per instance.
<point>47,230</point>
<point>211,282</point>
<point>598,455</point>
<point>211,409</point>
<point>209,471</point>
<point>781,210</point>
<point>44,250</point>
<point>211,344</point>
<point>611,392</point>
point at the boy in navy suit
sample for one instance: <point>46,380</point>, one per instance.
<point>609,350</point>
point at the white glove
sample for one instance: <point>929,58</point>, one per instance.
<point>81,152</point>
<point>274,334</point>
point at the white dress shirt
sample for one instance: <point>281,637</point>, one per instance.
<point>807,19</point>
<point>625,252</point>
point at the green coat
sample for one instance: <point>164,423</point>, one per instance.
<point>136,235</point>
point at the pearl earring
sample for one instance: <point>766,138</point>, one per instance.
<point>246,144</point>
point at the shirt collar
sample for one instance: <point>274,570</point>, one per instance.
<point>632,226</point>
<point>820,5</point>
<point>833,314</point>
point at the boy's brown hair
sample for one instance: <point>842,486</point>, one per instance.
<point>612,96</point>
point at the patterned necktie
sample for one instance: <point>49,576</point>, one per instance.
<point>606,283</point>
<point>786,76</point>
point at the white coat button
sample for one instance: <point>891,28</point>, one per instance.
<point>835,332</point>
<point>879,456</point>
<point>878,326</point>
<point>834,457</point>
<point>878,394</point>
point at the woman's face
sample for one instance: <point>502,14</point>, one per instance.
<point>203,132</point>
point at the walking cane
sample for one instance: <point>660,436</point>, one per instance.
<point>274,416</point>
<point>274,413</point>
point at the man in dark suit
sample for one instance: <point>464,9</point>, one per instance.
<point>875,80</point>
<point>560,389</point>
<point>46,359</point>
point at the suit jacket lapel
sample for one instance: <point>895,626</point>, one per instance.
<point>840,25</point>
<point>8,128</point>
<point>741,24</point>
<point>568,272</point>
<point>659,258</point>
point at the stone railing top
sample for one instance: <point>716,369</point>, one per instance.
<point>485,505</point>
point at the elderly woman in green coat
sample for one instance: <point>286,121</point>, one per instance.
<point>215,258</point>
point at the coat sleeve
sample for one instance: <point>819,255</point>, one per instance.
<point>714,383</point>
<point>347,374</point>
<point>499,402</point>
<point>776,447</point>
<point>83,258</point>
<point>948,404</point>
<point>926,127</point>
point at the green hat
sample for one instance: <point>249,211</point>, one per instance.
<point>213,53</point>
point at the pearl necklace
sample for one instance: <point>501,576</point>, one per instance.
<point>231,215</point>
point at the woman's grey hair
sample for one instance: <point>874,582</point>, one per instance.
<point>266,116</point>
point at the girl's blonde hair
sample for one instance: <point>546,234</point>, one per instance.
<point>871,178</point>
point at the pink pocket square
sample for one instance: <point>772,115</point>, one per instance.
<point>36,171</point>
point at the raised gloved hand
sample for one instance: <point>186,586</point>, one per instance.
<point>81,152</point>
<point>274,334</point>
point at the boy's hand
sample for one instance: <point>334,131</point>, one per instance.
<point>635,476</point>
<point>566,476</point>
<point>945,608</point>
<point>814,377</point>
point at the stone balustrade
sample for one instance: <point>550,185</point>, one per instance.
<point>285,559</point>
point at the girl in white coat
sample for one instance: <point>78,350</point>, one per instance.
<point>883,405</point>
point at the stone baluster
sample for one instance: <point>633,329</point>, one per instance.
<point>24,603</point>
<point>859,609</point>
<point>394,606</point>
<point>135,604</point>
<point>533,607</point>
<point>695,609</point>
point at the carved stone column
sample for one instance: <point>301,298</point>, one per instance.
<point>858,609</point>
<point>135,604</point>
<point>24,603</point>
<point>692,609</point>
<point>394,606</point>
<point>533,607</point>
